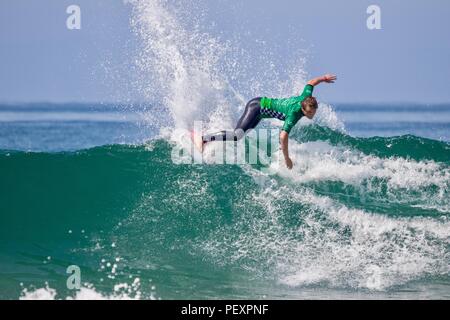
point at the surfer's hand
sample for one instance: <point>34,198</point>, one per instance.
<point>289,163</point>
<point>329,78</point>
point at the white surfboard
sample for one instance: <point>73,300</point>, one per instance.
<point>187,143</point>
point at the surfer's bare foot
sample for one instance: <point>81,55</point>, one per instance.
<point>198,142</point>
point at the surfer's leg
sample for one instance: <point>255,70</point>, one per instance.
<point>249,119</point>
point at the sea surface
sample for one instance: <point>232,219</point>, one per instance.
<point>363,214</point>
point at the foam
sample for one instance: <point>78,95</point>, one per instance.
<point>333,245</point>
<point>422,184</point>
<point>121,291</point>
<point>381,251</point>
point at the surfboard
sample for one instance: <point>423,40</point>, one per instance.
<point>187,143</point>
<point>197,140</point>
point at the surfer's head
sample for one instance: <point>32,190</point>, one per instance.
<point>309,107</point>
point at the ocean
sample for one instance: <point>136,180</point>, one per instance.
<point>364,214</point>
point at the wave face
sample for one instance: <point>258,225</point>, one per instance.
<point>366,214</point>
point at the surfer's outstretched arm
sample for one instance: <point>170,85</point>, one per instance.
<point>328,78</point>
<point>284,140</point>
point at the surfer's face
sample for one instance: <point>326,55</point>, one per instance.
<point>309,112</point>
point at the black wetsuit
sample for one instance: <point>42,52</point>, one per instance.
<point>288,110</point>
<point>248,120</point>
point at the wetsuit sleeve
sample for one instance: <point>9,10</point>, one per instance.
<point>289,123</point>
<point>307,91</point>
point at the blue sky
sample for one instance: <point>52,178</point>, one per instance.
<point>407,60</point>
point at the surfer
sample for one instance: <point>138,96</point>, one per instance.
<point>289,110</point>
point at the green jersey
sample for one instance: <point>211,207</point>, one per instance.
<point>287,109</point>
